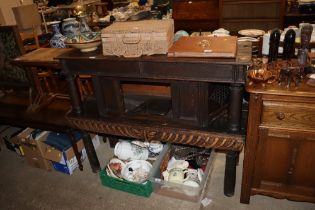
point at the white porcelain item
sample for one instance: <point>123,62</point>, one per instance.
<point>140,143</point>
<point>136,171</point>
<point>173,163</point>
<point>221,31</point>
<point>265,45</point>
<point>193,176</point>
<point>177,175</point>
<point>85,46</point>
<point>125,150</point>
<point>155,147</point>
<point>116,166</point>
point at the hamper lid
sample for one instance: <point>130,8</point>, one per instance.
<point>140,26</point>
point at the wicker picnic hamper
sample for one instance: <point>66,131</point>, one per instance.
<point>136,38</point>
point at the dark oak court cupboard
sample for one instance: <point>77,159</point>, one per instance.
<point>279,156</point>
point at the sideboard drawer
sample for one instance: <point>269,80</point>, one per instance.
<point>288,115</point>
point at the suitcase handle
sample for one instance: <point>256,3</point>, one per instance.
<point>132,40</point>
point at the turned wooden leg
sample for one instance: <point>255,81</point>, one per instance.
<point>235,107</point>
<point>90,151</point>
<point>235,114</point>
<point>230,172</point>
<point>74,95</point>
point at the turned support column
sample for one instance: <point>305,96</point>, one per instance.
<point>235,115</point>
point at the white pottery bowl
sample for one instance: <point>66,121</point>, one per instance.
<point>136,171</point>
<point>85,46</point>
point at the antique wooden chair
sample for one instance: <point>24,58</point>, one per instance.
<point>29,24</point>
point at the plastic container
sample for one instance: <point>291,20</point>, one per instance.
<point>176,190</point>
<point>144,189</point>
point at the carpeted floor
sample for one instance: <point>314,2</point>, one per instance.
<point>23,187</point>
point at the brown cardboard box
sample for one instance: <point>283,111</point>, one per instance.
<point>51,153</point>
<point>32,149</point>
<point>64,160</point>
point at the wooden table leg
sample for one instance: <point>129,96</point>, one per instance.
<point>230,172</point>
<point>75,148</point>
<point>112,141</point>
<point>73,92</point>
<point>235,114</point>
<point>90,151</point>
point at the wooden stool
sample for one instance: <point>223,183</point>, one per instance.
<point>47,78</point>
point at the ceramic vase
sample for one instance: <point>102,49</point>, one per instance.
<point>84,27</point>
<point>70,27</point>
<point>127,151</point>
<point>57,40</point>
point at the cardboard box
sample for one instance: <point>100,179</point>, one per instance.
<point>31,145</point>
<point>8,138</point>
<point>64,159</point>
<point>68,166</point>
<point>54,151</point>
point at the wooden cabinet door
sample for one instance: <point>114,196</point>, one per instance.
<point>285,164</point>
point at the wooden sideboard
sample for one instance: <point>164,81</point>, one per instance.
<point>196,15</point>
<point>259,14</point>
<point>279,152</point>
<point>233,15</point>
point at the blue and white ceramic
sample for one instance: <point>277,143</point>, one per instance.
<point>70,26</point>
<point>84,27</point>
<point>179,34</point>
<point>57,40</point>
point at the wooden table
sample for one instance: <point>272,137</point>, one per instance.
<point>42,57</point>
<point>188,122</point>
<point>44,112</point>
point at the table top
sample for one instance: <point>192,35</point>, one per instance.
<point>242,58</point>
<point>157,67</point>
<point>41,57</point>
<point>305,89</point>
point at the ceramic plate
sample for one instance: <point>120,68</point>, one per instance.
<point>136,171</point>
<point>115,167</point>
<point>219,35</point>
<point>251,32</point>
<point>247,38</point>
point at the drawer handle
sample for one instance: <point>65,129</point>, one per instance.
<point>189,2</point>
<point>280,115</point>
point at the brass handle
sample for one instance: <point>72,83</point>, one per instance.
<point>280,115</point>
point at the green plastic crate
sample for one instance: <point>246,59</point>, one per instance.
<point>144,189</point>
